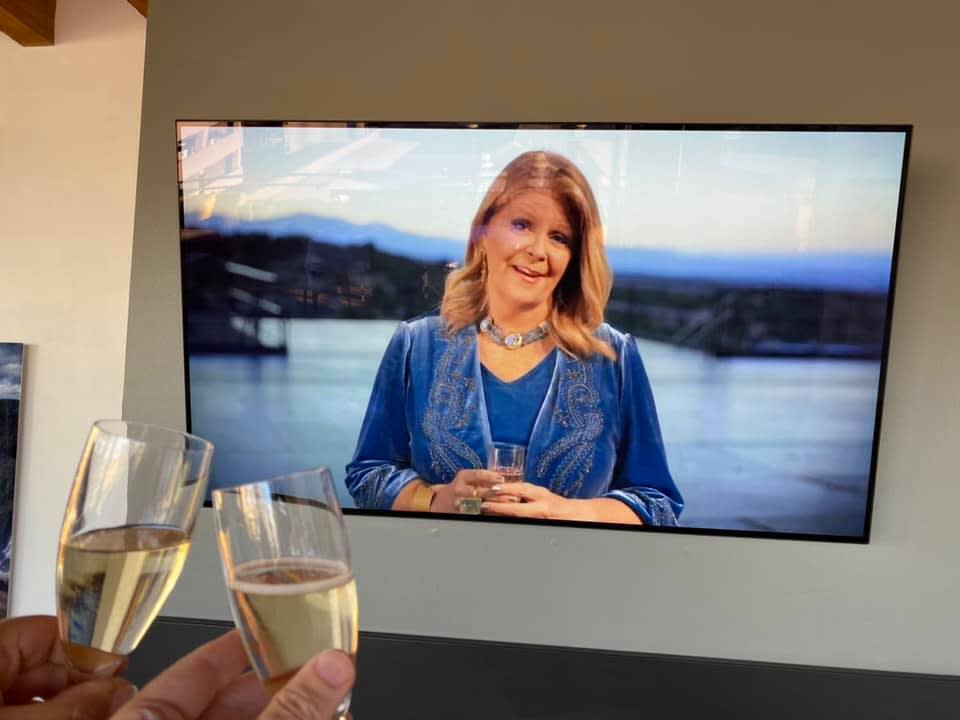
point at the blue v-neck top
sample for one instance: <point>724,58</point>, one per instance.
<point>512,407</point>
<point>594,430</point>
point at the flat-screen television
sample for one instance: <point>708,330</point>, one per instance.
<point>674,328</point>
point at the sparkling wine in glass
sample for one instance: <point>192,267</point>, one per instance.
<point>286,563</point>
<point>125,535</point>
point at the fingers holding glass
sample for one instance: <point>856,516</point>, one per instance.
<point>527,501</point>
<point>470,487</point>
<point>34,663</point>
<point>317,690</point>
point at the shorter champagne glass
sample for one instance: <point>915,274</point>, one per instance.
<point>287,568</point>
<point>125,535</point>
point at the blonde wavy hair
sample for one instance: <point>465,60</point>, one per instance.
<point>582,293</point>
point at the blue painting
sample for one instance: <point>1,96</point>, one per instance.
<point>11,376</point>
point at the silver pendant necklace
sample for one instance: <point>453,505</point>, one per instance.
<point>513,341</point>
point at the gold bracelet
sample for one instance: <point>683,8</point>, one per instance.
<point>422,498</point>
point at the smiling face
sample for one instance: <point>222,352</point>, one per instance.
<point>528,243</point>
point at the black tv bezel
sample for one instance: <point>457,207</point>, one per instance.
<point>906,129</point>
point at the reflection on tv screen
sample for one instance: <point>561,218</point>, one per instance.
<point>635,326</point>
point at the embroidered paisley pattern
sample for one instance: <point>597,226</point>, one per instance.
<point>448,409</point>
<point>661,511</point>
<point>569,461</point>
<point>655,508</point>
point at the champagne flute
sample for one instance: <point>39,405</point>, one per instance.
<point>286,563</point>
<point>125,535</point>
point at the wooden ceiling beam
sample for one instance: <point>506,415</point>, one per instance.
<point>140,5</point>
<point>28,22</point>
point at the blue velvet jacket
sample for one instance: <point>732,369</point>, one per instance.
<point>596,434</point>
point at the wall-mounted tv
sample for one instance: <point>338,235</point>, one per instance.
<point>634,326</point>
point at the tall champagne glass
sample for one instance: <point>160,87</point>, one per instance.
<point>125,535</point>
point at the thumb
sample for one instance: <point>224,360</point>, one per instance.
<point>93,700</point>
<point>316,691</point>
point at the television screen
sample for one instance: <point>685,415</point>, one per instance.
<point>662,327</point>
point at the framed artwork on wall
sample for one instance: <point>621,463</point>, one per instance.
<point>11,376</point>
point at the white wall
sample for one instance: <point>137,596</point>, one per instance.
<point>888,605</point>
<point>69,121</point>
<point>69,127</point>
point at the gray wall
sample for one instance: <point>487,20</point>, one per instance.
<point>889,605</point>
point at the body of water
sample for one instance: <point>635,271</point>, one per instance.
<point>778,445</point>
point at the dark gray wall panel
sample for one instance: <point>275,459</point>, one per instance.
<point>424,678</point>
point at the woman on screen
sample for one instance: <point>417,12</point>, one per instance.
<point>519,354</point>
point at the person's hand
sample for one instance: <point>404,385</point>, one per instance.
<point>32,665</point>
<point>213,683</point>
<point>520,499</point>
<point>466,483</point>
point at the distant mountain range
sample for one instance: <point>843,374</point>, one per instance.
<point>862,272</point>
